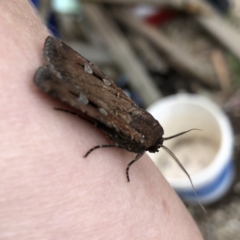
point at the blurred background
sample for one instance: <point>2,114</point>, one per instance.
<point>158,48</point>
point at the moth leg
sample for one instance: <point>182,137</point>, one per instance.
<point>99,146</point>
<point>133,161</point>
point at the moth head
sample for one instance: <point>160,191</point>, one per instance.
<point>157,145</point>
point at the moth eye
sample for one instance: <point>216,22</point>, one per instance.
<point>87,68</point>
<point>83,99</point>
<point>103,111</point>
<point>106,82</point>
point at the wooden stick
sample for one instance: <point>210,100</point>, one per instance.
<point>203,13</point>
<point>131,2</point>
<point>222,31</point>
<point>123,54</point>
<point>221,70</point>
<point>153,58</point>
<point>174,55</point>
<point>190,6</point>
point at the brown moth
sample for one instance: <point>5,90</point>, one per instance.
<point>71,78</point>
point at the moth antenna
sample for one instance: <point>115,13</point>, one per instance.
<point>181,133</point>
<point>185,171</point>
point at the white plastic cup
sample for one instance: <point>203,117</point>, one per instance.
<point>208,153</point>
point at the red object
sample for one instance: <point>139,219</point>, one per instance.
<point>161,17</point>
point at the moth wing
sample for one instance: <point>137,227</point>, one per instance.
<point>65,77</point>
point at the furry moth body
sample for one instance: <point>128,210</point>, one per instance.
<point>72,79</point>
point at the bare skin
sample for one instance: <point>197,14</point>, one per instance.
<point>48,190</point>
